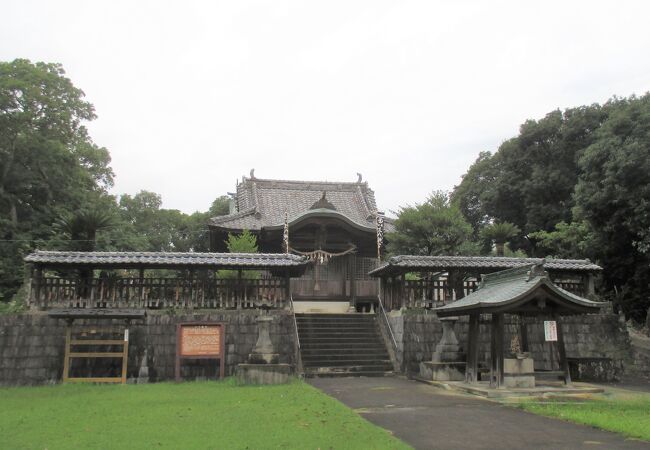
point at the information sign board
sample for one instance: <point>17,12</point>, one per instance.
<point>202,340</point>
<point>550,330</point>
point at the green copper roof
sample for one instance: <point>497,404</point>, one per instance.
<point>519,290</point>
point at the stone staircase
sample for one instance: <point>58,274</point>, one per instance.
<point>342,345</point>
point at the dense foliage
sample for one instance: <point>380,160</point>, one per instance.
<point>435,227</point>
<point>54,180</point>
<point>577,184</point>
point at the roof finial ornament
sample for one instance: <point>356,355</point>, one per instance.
<point>252,174</point>
<point>323,203</point>
<point>360,177</point>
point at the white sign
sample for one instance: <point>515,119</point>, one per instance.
<point>126,335</point>
<point>550,330</point>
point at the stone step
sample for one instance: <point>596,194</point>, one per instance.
<point>306,351</point>
<point>383,364</point>
<point>358,371</point>
<point>309,350</point>
<point>326,319</point>
<point>334,325</point>
<point>373,374</point>
<point>341,335</point>
<point>342,345</point>
<point>346,357</point>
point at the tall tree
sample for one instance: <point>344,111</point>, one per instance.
<point>435,227</point>
<point>49,166</point>
<point>529,181</point>
<point>613,196</point>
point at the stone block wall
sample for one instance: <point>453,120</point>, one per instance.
<point>32,345</point>
<point>586,336</point>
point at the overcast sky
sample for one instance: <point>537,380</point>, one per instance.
<point>191,95</point>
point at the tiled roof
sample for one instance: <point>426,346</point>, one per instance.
<point>213,260</point>
<point>508,287</point>
<point>404,263</point>
<point>262,203</point>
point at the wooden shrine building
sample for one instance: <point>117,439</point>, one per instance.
<point>335,224</point>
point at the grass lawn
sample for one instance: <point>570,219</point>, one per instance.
<point>177,416</point>
<point>628,416</point>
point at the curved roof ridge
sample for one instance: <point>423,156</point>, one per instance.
<point>237,215</point>
<point>364,201</point>
<point>271,180</point>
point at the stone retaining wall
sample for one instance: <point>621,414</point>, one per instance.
<point>586,336</point>
<point>32,345</point>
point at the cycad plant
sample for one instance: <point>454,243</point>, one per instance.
<point>82,226</point>
<point>500,233</point>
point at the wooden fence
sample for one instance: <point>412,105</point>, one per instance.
<point>432,293</point>
<point>158,293</point>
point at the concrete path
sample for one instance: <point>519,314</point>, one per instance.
<point>427,417</point>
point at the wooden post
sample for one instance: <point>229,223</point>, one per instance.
<point>471,373</point>
<point>564,363</point>
<point>458,285</point>
<point>523,332</point>
<point>66,357</point>
<point>190,276</point>
<point>38,279</point>
<point>287,288</point>
<point>28,275</point>
<point>500,349</point>
<point>141,287</point>
<point>591,288</point>
<point>493,350</point>
<point>238,289</point>
<point>496,351</point>
<point>125,354</point>
<point>353,281</point>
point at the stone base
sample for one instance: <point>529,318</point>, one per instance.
<point>263,358</point>
<point>263,373</point>
<point>442,371</point>
<point>595,369</point>
<point>518,373</point>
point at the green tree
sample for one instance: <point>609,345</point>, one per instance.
<point>567,240</point>
<point>613,196</point>
<point>49,166</point>
<point>435,227</point>
<point>245,242</point>
<point>530,180</point>
<point>469,196</point>
<point>500,234</point>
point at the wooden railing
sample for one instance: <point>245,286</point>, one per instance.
<point>432,293</point>
<point>157,293</point>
